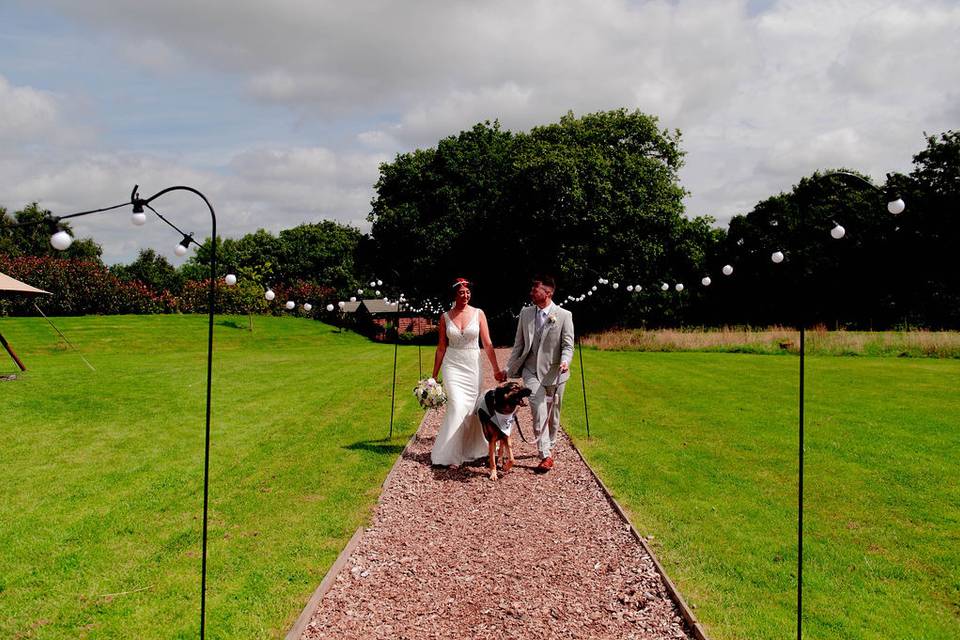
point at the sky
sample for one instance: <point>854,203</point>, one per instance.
<point>280,112</point>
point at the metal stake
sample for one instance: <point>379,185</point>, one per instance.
<point>583,385</point>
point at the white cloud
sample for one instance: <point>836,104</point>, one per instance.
<point>849,84</point>
<point>272,189</point>
<point>26,113</point>
<point>154,55</point>
<point>764,92</point>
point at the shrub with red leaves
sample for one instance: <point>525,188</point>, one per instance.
<point>81,287</point>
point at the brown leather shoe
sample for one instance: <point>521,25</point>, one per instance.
<point>545,465</point>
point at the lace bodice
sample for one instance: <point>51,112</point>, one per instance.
<point>468,338</point>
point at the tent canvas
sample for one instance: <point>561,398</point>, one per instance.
<point>12,285</point>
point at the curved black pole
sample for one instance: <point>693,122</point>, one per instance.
<point>583,385</point>
<point>206,447</point>
<point>854,180</point>
<point>396,346</point>
<point>803,350</point>
<point>138,205</point>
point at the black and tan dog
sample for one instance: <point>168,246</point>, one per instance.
<point>498,413</point>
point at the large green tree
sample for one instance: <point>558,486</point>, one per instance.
<point>34,239</point>
<point>322,253</point>
<point>929,231</point>
<point>151,269</point>
<point>887,270</point>
<point>593,196</point>
<point>842,282</point>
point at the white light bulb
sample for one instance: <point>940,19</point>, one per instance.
<point>630,287</point>
<point>637,288</point>
<point>230,279</point>
<point>180,250</point>
<point>341,304</point>
<point>896,207</point>
<point>590,293</point>
<point>600,280</point>
<point>330,307</point>
<point>359,292</point>
<point>706,281</point>
<point>138,219</point>
<point>61,240</point>
<point>837,232</point>
<point>678,286</point>
<point>353,298</point>
<point>727,270</point>
<point>290,304</point>
<point>307,306</point>
<point>777,256</point>
<point>664,287</point>
<point>594,288</point>
<point>379,282</point>
<point>269,294</point>
<point>372,284</point>
<point>616,285</point>
<point>377,293</point>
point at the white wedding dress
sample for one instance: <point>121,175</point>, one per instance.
<point>460,438</point>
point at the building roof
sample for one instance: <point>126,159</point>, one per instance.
<point>373,306</point>
<point>376,306</point>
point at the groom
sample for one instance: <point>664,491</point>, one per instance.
<point>541,355</point>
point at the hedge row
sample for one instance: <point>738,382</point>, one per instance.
<point>80,287</point>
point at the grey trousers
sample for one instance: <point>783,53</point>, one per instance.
<point>545,401</point>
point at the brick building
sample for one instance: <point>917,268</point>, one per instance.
<point>372,317</point>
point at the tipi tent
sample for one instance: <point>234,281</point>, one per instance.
<point>12,286</point>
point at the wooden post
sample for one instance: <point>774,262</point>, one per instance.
<point>9,349</point>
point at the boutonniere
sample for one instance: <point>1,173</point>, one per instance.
<point>552,318</point>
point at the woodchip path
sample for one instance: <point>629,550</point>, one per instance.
<point>451,554</point>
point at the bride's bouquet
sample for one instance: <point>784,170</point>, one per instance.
<point>430,394</point>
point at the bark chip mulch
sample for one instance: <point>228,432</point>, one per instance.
<point>452,554</point>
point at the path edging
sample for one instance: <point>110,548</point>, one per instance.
<point>685,611</point>
<point>296,631</point>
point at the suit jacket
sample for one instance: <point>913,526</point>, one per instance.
<point>556,345</point>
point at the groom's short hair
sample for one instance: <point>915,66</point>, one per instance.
<point>546,281</point>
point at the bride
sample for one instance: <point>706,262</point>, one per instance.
<point>460,439</point>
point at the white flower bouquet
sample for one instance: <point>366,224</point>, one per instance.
<point>430,394</point>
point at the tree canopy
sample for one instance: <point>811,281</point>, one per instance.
<point>34,240</point>
<point>886,271</point>
<point>151,269</point>
<point>321,252</point>
<point>589,197</point>
<point>586,196</point>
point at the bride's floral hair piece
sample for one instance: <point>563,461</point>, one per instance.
<point>461,282</point>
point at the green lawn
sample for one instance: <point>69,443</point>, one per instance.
<point>101,478</point>
<point>701,449</point>
<point>101,474</point>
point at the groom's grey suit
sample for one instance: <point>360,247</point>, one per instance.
<point>538,349</point>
